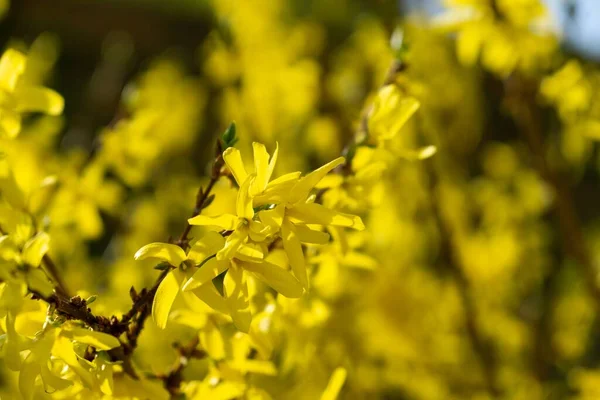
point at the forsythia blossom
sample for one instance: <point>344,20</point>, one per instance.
<point>18,98</point>
<point>268,214</point>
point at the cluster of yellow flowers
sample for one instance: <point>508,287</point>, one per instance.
<point>506,35</point>
<point>274,231</point>
<point>455,285</point>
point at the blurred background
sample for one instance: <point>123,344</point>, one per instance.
<point>486,283</point>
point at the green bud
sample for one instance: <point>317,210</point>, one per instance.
<point>229,137</point>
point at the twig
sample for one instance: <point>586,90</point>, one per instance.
<point>61,287</point>
<point>142,305</point>
<point>172,380</point>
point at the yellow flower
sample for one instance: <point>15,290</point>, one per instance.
<point>243,224</point>
<point>17,98</point>
<point>297,210</point>
<point>202,258</point>
<point>391,110</point>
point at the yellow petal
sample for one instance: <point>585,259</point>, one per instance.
<point>330,181</point>
<point>236,291</point>
<point>419,154</point>
<point>164,298</point>
<point>208,293</point>
<point>273,217</point>
<point>359,260</point>
<point>206,273</point>
<point>207,246</point>
<point>255,366</point>
<point>287,178</point>
<point>52,381</point>
<point>302,188</point>
<point>212,340</point>
<point>27,376</point>
<point>278,278</point>
<point>243,204</point>
<point>233,159</point>
<point>12,357</point>
<point>312,213</point>
<point>335,384</point>
<point>307,235</point>
<point>170,253</point>
<point>250,252</point>
<point>39,99</point>
<point>263,167</point>
<point>99,340</point>
<point>12,65</point>
<point>293,248</point>
<point>233,243</point>
<point>10,122</point>
<point>226,222</point>
<point>35,248</point>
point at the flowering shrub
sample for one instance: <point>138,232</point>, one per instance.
<point>391,215</point>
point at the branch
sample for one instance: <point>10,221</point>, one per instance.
<point>142,303</point>
<point>172,380</point>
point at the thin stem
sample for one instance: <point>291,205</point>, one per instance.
<point>55,275</point>
<point>172,380</point>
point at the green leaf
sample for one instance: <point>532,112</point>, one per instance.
<point>98,340</point>
<point>170,253</point>
<point>164,298</point>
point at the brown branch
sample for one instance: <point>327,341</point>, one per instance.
<point>142,305</point>
<point>172,380</point>
<point>132,322</point>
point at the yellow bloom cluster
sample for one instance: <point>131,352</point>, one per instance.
<point>268,212</point>
<point>504,34</point>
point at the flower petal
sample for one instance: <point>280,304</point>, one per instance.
<point>12,65</point>
<point>35,248</point>
<point>250,252</point>
<point>335,384</point>
<point>243,204</point>
<point>209,294</point>
<point>302,189</point>
<point>293,248</point>
<point>233,243</point>
<point>99,340</point>
<point>307,235</point>
<point>278,278</point>
<point>226,222</point>
<point>207,246</point>
<point>233,159</point>
<point>236,291</point>
<point>206,273</point>
<point>164,298</point>
<point>39,99</point>
<point>312,213</point>
<point>170,253</point>
<point>10,122</point>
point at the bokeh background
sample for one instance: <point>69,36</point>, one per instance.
<point>484,272</point>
